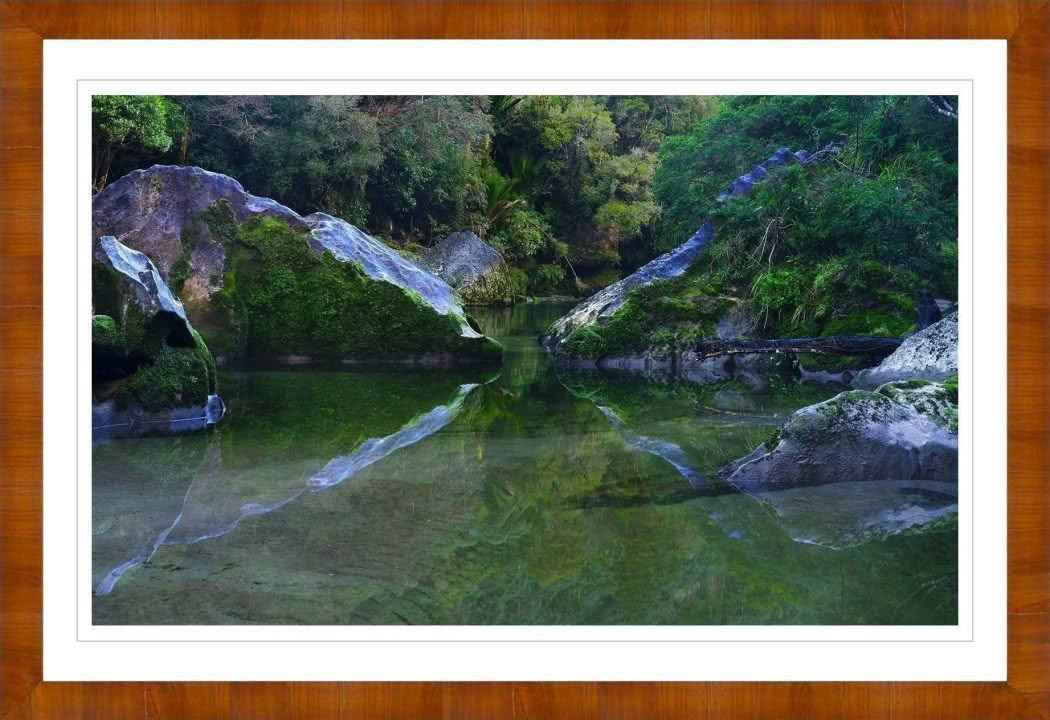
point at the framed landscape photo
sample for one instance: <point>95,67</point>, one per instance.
<point>367,360</point>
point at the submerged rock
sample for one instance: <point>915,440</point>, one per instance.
<point>903,431</point>
<point>152,371</point>
<point>931,354</point>
<point>254,273</point>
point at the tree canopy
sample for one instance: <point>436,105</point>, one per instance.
<point>580,190</point>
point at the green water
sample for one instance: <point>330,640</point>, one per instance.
<point>515,497</point>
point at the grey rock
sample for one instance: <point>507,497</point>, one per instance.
<point>928,313</point>
<point>897,433</point>
<point>931,354</point>
<point>140,282</point>
<point>144,285</point>
<point>150,210</point>
<point>461,258</point>
<point>603,304</point>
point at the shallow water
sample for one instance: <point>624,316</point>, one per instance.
<point>509,497</point>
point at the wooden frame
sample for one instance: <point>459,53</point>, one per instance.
<point>25,23</point>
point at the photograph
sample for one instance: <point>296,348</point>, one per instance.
<point>524,360</point>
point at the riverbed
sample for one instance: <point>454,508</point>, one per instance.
<point>518,496</point>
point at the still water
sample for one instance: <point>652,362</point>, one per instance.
<point>512,497</point>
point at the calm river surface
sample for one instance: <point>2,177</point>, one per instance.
<point>512,497</point>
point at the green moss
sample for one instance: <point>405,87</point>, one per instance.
<point>874,323</point>
<point>499,286</point>
<point>826,361</point>
<point>773,440</point>
<point>180,270</point>
<point>221,222</point>
<point>951,385</point>
<point>209,361</point>
<point>284,299</point>
<point>104,332</point>
<point>177,377</point>
<point>649,319</point>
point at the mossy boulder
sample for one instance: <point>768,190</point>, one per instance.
<point>476,270</point>
<point>903,431</point>
<point>152,372</point>
<point>260,281</point>
<point>931,354</point>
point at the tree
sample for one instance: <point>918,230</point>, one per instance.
<point>122,121</point>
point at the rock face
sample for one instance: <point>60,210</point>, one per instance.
<point>605,303</point>
<point>461,258</point>
<point>902,431</point>
<point>931,354</point>
<point>152,371</point>
<point>244,264</point>
<point>476,270</point>
<point>136,280</point>
<point>602,305</point>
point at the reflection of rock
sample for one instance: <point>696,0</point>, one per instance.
<point>904,431</point>
<point>669,451</point>
<point>754,370</point>
<point>931,354</point>
<point>220,496</point>
<point>841,514</point>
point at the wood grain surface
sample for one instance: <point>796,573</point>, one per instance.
<point>25,23</point>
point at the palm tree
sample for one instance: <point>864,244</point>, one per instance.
<point>500,197</point>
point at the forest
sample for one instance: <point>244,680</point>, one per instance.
<point>577,192</point>
<point>524,360</point>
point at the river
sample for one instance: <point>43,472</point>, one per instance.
<point>521,496</point>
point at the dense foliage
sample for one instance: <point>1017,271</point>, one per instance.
<point>578,191</point>
<point>842,245</point>
<point>559,184</point>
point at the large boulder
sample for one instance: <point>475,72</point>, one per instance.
<point>903,431</point>
<point>256,277</point>
<point>152,372</point>
<point>931,354</point>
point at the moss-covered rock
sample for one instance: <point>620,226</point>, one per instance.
<point>259,280</point>
<point>931,354</point>
<point>152,371</point>
<point>903,431</point>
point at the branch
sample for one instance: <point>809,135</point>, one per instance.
<point>943,107</point>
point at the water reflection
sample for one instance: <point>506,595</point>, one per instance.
<point>220,495</point>
<point>524,498</point>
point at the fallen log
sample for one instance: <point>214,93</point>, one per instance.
<point>831,345</point>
